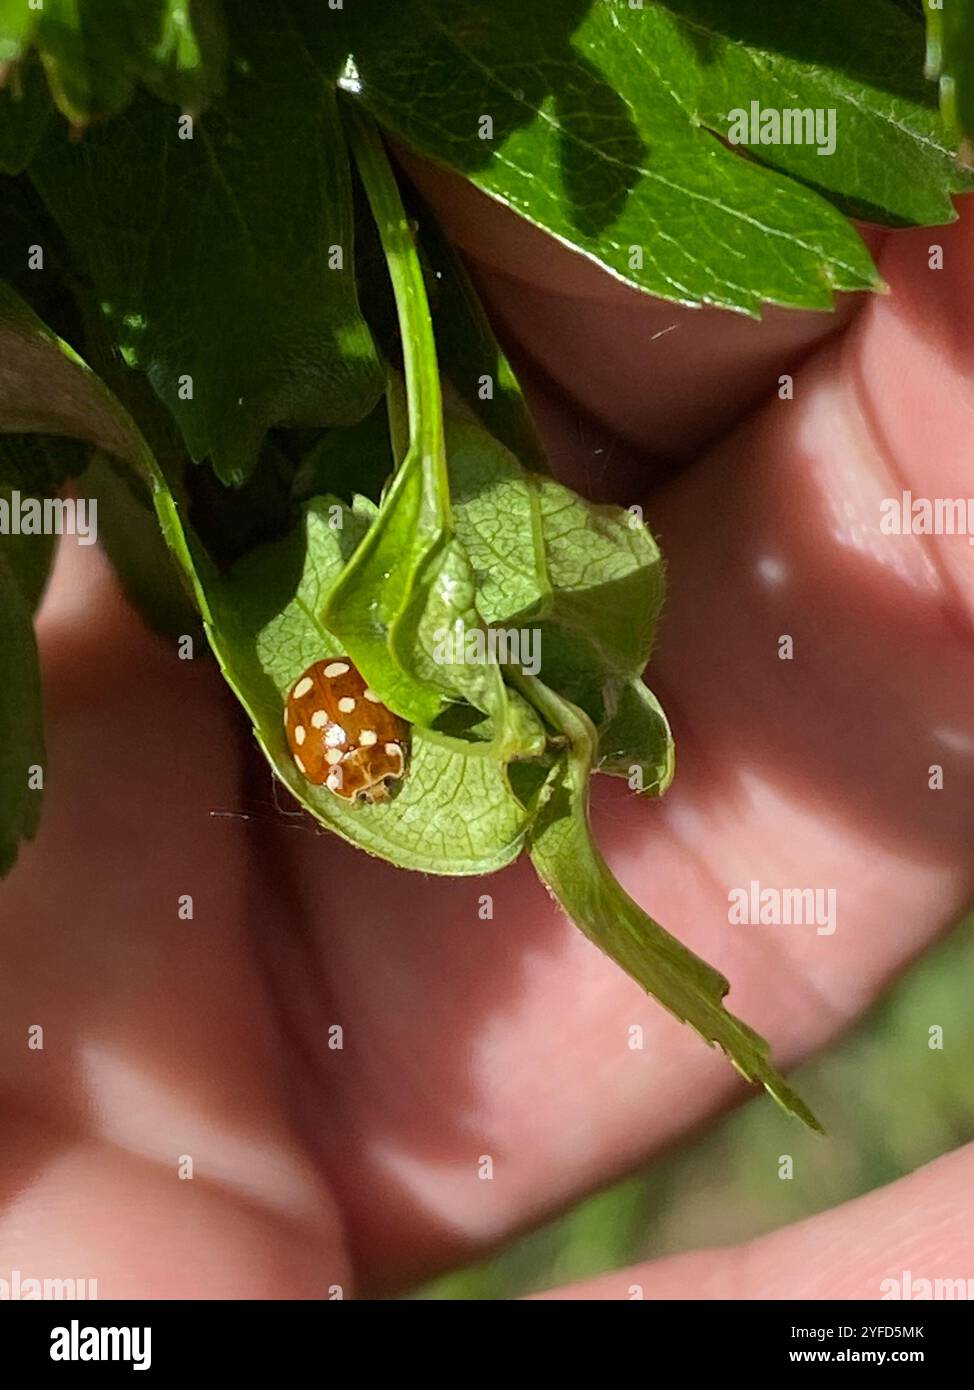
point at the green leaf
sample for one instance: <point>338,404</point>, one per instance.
<point>498,521</point>
<point>353,461</point>
<point>408,587</point>
<point>589,578</point>
<point>599,132</point>
<point>31,467</point>
<point>27,556</point>
<point>212,256</point>
<point>389,577</point>
<point>377,604</point>
<point>38,464</point>
<point>46,388</point>
<point>607,576</point>
<point>410,584</point>
<point>128,532</point>
<point>495,573</point>
<point>597,633</point>
<point>24,562</point>
<point>180,48</point>
<point>950,59</point>
<point>491,569</point>
<point>95,53</point>
<point>33,258</point>
<point>893,160</point>
<point>569,863</point>
<point>469,353</point>
<point>454,813</point>
<point>24,114</point>
<point>635,741</point>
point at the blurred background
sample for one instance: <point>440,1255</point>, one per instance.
<point>889,1103</point>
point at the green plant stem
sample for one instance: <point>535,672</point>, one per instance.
<point>569,863</point>
<point>424,398</point>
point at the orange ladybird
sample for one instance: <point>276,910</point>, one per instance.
<point>341,734</point>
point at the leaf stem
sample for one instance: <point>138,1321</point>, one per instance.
<point>570,864</point>
<point>425,402</point>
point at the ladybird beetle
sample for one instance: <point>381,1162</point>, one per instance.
<point>341,734</point>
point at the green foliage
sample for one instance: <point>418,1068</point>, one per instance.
<point>569,863</point>
<point>24,114</point>
<point>207,245</point>
<point>224,287</point>
<point>21,724</point>
<point>950,58</point>
<point>455,813</point>
<point>95,53</point>
<point>600,120</point>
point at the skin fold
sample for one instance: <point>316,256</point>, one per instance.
<point>316,1168</point>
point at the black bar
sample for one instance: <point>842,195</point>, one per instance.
<point>252,1337</point>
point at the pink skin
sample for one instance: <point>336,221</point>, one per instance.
<point>359,1167</point>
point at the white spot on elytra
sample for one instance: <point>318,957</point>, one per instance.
<point>346,704</point>
<point>334,780</point>
<point>319,719</point>
<point>300,765</point>
<point>336,668</point>
<point>335,736</point>
<point>300,734</point>
<point>368,737</point>
<point>392,749</point>
<point>333,755</point>
<point>371,695</point>
<point>302,687</point>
